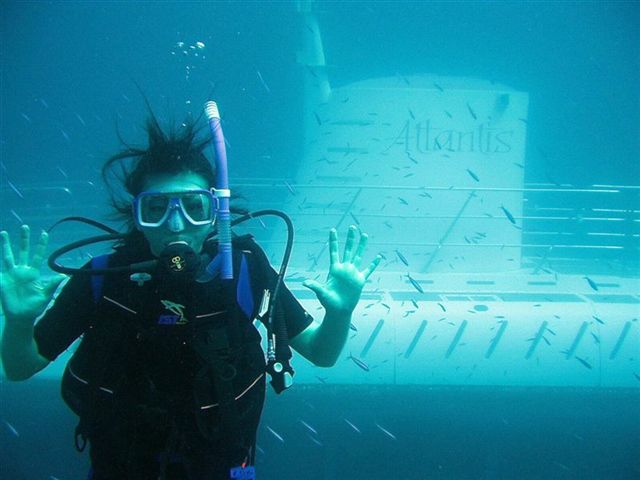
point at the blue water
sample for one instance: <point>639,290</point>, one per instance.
<point>73,77</point>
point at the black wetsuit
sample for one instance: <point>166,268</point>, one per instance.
<point>140,379</point>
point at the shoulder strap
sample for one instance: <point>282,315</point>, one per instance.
<point>97,281</point>
<point>244,293</point>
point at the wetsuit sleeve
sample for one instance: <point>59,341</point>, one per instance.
<point>66,319</point>
<point>296,317</point>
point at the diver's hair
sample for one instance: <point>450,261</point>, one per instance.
<point>166,154</point>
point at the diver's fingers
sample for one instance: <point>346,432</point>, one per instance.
<point>372,266</point>
<point>333,246</point>
<point>7,254</point>
<point>357,258</point>
<point>23,253</point>
<point>41,248</point>
<point>348,246</point>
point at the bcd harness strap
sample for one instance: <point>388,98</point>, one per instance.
<point>214,348</point>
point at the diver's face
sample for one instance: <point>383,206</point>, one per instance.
<point>176,228</point>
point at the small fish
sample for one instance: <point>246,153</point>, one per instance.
<point>402,258</point>
<point>438,87</point>
<point>359,363</point>
<point>425,194</point>
<point>315,440</point>
<point>26,117</point>
<point>584,362</point>
<point>473,175</point>
<point>386,431</point>
<point>595,338</point>
<point>43,102</point>
<point>264,84</point>
<point>12,429</point>
<point>473,114</point>
<point>636,375</point>
<point>414,303</point>
<point>386,222</point>
<point>415,284</point>
<point>551,331</point>
<point>386,306</point>
<point>15,189</point>
<point>275,434</point>
<point>407,313</point>
<point>293,192</point>
<point>402,200</point>
<point>412,115</point>
<point>403,78</point>
<point>563,466</point>
<point>353,327</point>
<point>81,120</point>
<point>442,307</point>
<point>354,218</point>
<point>64,174</point>
<point>308,426</point>
<point>311,71</point>
<point>13,212</point>
<point>508,214</point>
<point>545,339</point>
<point>64,134</point>
<point>592,284</point>
<point>200,45</point>
<point>448,114</point>
<point>352,425</point>
<point>598,320</point>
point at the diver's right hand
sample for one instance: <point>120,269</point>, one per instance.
<point>23,292</point>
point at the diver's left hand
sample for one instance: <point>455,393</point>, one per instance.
<point>341,291</point>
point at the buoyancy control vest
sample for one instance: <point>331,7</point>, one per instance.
<point>170,370</point>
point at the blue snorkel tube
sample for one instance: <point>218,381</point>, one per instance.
<point>278,356</point>
<point>222,192</point>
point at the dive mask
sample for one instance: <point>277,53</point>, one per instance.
<point>152,209</point>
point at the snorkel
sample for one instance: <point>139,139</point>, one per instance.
<point>222,192</point>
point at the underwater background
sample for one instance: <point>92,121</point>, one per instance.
<point>490,151</point>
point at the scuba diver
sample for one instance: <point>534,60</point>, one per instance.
<point>169,378</point>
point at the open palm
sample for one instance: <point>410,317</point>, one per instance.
<point>341,291</point>
<point>25,294</point>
